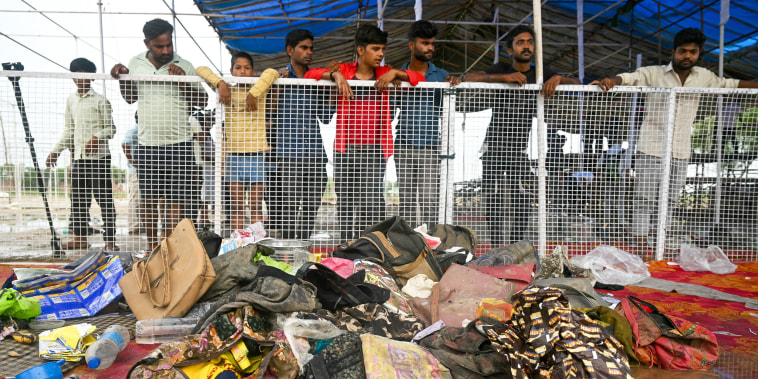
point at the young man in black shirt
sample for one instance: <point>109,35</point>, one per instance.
<point>505,144</point>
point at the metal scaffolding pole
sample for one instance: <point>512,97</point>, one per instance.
<point>541,133</point>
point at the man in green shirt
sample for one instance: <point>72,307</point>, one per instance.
<point>89,126</point>
<point>164,156</point>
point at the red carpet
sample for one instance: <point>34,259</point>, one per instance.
<point>734,324</point>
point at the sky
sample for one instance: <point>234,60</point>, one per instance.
<point>122,32</point>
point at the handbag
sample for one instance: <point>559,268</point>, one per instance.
<point>666,341</point>
<point>396,247</point>
<point>172,278</point>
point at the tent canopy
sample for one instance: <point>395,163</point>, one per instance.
<point>616,31</point>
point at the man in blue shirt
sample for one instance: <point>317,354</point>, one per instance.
<point>300,176</point>
<point>417,146</point>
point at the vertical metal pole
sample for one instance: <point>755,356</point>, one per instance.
<point>660,46</point>
<point>447,190</point>
<point>218,186</point>
<point>720,118</point>
<point>541,133</point>
<point>418,9</point>
<point>580,47</point>
<point>580,37</point>
<point>173,13</point>
<point>632,139</point>
<point>495,21</point>
<point>102,42</point>
<point>663,200</point>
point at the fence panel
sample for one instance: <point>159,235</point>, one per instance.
<point>313,165</point>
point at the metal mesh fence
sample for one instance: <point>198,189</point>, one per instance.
<point>646,169</point>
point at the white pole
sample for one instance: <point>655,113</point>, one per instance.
<point>447,190</point>
<point>102,41</point>
<point>418,8</point>
<point>541,133</point>
<point>720,118</point>
<point>663,200</point>
<point>173,12</point>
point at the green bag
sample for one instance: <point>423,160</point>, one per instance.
<point>13,304</point>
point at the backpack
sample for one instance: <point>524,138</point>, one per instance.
<point>396,247</point>
<point>666,341</point>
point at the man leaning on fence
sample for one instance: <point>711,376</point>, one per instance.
<point>164,156</point>
<point>300,156</point>
<point>680,72</point>
<point>417,145</point>
<point>507,138</point>
<point>89,127</point>
<point>363,140</point>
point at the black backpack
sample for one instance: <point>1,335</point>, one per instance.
<point>396,247</point>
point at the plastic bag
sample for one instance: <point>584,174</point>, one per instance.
<point>300,332</point>
<point>13,304</point>
<point>611,265</point>
<point>712,259</point>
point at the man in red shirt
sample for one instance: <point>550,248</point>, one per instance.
<point>364,133</point>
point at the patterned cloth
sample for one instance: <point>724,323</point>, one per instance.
<point>375,319</point>
<point>225,331</point>
<point>545,338</point>
<point>466,352</point>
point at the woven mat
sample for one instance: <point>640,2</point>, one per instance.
<point>28,355</point>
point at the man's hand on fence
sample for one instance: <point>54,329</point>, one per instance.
<point>344,89</point>
<point>175,70</point>
<point>118,69</point>
<point>515,77</point>
<point>453,80</point>
<point>606,83</point>
<point>548,88</point>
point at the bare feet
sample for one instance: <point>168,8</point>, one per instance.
<point>111,247</point>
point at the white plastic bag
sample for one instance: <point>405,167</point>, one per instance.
<point>298,332</point>
<point>712,259</point>
<point>611,265</point>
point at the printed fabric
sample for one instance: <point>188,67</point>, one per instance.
<point>545,338</point>
<point>375,319</point>
<point>269,351</point>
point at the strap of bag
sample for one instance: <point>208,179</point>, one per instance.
<point>408,267</point>
<point>435,297</point>
<point>141,269</point>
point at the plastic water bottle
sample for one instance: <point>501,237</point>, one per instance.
<point>102,353</point>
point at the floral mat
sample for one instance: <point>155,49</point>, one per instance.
<point>734,324</point>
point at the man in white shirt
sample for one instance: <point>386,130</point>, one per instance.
<point>681,72</point>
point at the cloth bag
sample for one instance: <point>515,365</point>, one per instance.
<point>458,294</point>
<point>396,247</point>
<point>666,341</point>
<point>172,278</point>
